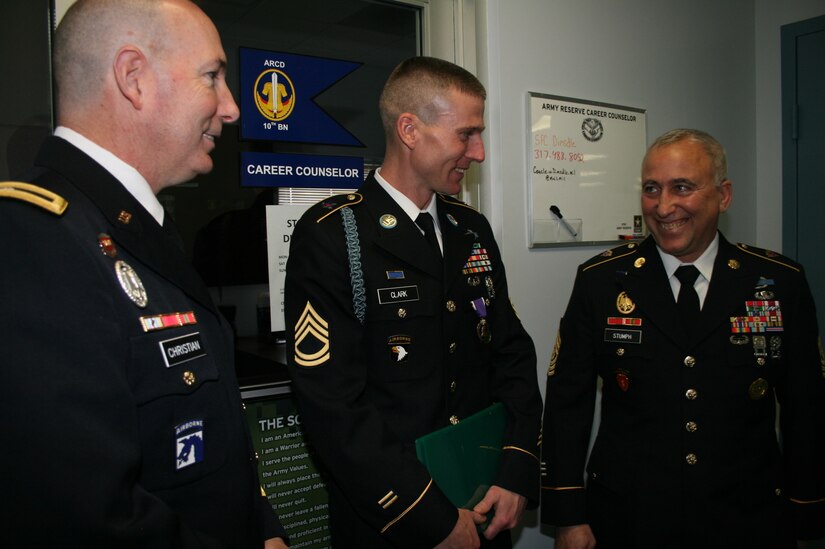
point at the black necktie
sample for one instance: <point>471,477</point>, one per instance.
<point>425,223</point>
<point>688,300</point>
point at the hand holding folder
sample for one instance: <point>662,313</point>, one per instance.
<point>463,458</point>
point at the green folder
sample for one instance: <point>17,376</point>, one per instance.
<point>463,458</point>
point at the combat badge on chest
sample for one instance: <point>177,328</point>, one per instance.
<point>623,330</point>
<point>126,276</point>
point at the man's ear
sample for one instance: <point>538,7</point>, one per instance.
<point>130,67</point>
<point>407,129</point>
<point>725,195</point>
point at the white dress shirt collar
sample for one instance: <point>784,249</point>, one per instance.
<point>408,205</point>
<point>704,264</point>
<point>128,176</point>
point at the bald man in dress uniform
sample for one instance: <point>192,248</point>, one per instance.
<point>694,339</point>
<point>122,419</point>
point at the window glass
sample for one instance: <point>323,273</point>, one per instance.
<point>223,225</point>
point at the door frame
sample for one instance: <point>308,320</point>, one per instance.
<point>789,35</point>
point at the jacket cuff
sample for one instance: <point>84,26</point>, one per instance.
<point>563,506</point>
<point>809,519</point>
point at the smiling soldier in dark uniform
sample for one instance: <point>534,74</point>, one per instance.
<point>686,454</point>
<point>392,341</point>
<point>122,418</point>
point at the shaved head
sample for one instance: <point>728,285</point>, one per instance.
<point>88,38</point>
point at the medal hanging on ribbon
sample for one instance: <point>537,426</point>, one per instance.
<point>483,328</point>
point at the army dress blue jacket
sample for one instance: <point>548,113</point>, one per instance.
<point>687,453</point>
<point>385,344</point>
<point>123,424</point>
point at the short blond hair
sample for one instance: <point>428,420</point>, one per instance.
<point>416,82</point>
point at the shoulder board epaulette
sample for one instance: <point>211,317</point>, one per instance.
<point>455,201</point>
<point>33,194</point>
<point>611,255</point>
<point>329,206</point>
<point>769,255</point>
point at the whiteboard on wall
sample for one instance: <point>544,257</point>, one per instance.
<point>60,7</point>
<point>584,161</point>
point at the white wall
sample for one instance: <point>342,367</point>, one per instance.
<point>705,64</point>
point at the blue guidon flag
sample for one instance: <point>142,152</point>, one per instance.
<point>277,97</point>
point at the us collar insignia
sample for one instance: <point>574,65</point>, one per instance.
<point>388,221</point>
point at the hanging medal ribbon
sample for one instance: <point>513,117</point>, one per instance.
<point>483,328</point>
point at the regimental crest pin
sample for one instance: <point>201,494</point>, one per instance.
<point>107,245</point>
<point>624,304</point>
<point>131,283</point>
<point>623,380</point>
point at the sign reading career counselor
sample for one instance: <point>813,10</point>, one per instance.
<point>584,162</point>
<point>300,170</point>
<point>277,97</point>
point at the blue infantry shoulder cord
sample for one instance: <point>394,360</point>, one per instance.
<point>356,275</point>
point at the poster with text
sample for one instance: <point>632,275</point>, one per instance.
<point>288,471</point>
<point>280,222</point>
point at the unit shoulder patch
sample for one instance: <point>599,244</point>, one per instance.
<point>769,255</point>
<point>328,206</point>
<point>611,255</point>
<point>35,195</point>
